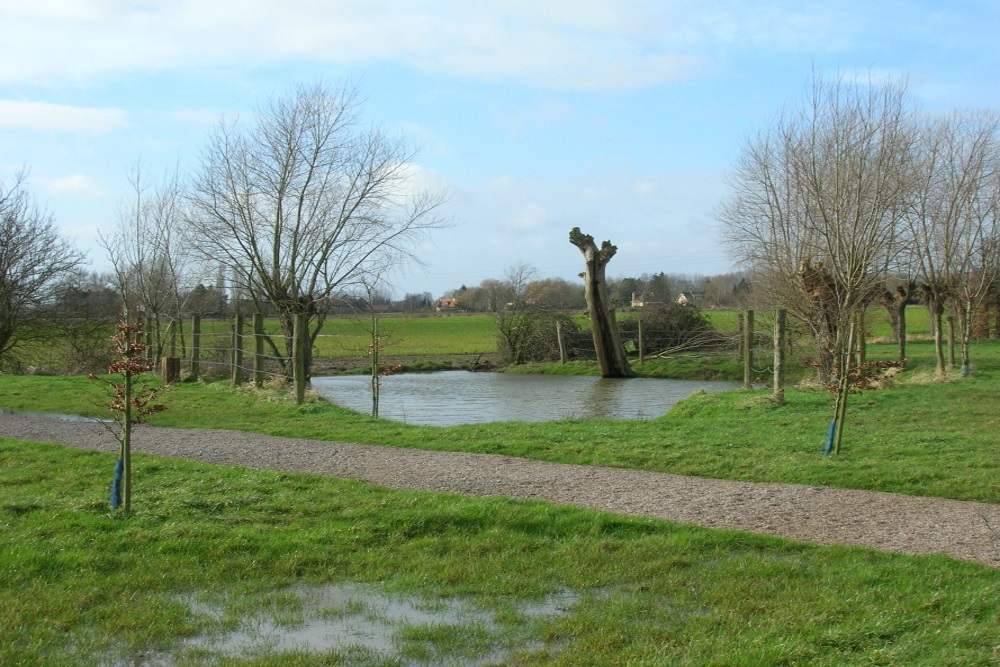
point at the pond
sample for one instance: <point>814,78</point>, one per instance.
<point>448,398</point>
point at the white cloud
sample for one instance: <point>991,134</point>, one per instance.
<point>426,138</point>
<point>197,116</point>
<point>644,188</point>
<point>25,115</point>
<point>502,183</point>
<point>78,185</point>
<point>582,45</point>
<point>530,216</point>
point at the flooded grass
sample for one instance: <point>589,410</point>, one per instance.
<point>355,622</point>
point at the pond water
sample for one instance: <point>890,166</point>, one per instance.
<point>448,398</point>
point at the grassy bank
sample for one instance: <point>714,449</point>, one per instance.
<point>212,548</point>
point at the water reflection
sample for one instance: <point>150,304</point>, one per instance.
<point>461,397</point>
<point>363,626</point>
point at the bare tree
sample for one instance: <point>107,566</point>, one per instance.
<point>515,316</point>
<point>34,259</point>
<point>147,255</point>
<point>302,202</point>
<point>952,219</point>
<point>815,204</point>
<point>555,294</point>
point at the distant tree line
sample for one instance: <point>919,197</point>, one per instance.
<point>728,290</point>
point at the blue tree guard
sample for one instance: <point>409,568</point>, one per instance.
<point>116,485</point>
<point>830,436</point>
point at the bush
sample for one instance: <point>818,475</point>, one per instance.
<point>531,336</point>
<point>671,327</point>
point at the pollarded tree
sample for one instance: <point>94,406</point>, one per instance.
<point>611,356</point>
<point>34,259</point>
<point>303,202</point>
<point>816,200</point>
<point>952,218</point>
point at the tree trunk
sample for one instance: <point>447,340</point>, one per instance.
<point>937,316</point>
<point>901,334</point>
<point>607,338</point>
<point>748,339</point>
<point>779,356</point>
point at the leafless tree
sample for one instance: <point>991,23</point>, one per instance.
<point>34,259</point>
<point>147,255</point>
<point>555,294</point>
<point>952,218</point>
<point>303,202</point>
<point>515,316</point>
<point>816,199</point>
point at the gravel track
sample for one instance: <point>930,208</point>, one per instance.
<point>886,521</point>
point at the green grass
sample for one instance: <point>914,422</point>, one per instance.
<point>917,321</point>
<point>921,438</point>
<point>403,336</point>
<point>437,337</point>
<point>79,585</point>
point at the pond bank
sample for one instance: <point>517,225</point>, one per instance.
<point>707,366</point>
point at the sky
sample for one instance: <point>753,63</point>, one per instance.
<point>619,117</point>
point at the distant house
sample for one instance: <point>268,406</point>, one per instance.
<point>446,304</point>
<point>685,298</point>
<point>645,300</point>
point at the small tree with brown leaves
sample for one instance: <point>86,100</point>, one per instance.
<point>130,403</point>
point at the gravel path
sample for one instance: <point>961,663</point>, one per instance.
<point>886,521</point>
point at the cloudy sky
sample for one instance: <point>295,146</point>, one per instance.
<point>617,116</point>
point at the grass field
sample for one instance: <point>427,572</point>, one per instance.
<point>346,340</point>
<point>212,549</point>
<point>404,336</point>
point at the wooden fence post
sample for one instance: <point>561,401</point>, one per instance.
<point>195,346</point>
<point>299,334</point>
<point>740,337</point>
<point>238,350</point>
<point>562,343</point>
<point>258,349</point>
<point>779,356</point>
<point>748,350</point>
<point>642,342</point>
<point>170,365</point>
<point>951,342</point>
<point>151,352</point>
<point>861,340</point>
<point>172,338</point>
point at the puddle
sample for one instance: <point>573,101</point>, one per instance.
<point>364,626</point>
<point>53,415</point>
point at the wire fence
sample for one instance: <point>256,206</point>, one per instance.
<point>242,351</point>
<point>247,352</point>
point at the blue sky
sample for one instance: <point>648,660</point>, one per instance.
<point>620,117</point>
